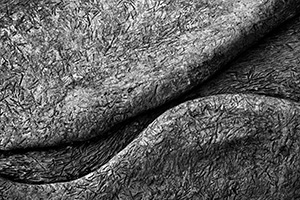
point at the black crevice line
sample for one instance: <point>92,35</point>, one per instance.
<point>154,114</point>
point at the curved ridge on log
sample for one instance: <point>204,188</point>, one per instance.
<point>223,146</point>
<point>71,70</point>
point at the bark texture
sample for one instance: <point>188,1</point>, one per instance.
<point>218,147</point>
<point>70,70</point>
<point>137,142</point>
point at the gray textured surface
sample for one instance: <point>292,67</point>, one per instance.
<point>71,70</point>
<point>270,68</point>
<point>222,146</point>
